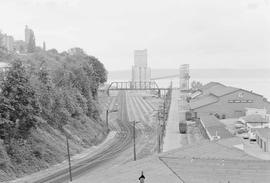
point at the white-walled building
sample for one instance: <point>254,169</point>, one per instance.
<point>8,42</point>
<point>140,71</point>
<point>4,66</point>
<point>28,33</point>
<point>261,112</point>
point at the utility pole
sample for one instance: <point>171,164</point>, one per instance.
<point>159,131</point>
<point>134,137</point>
<point>164,110</point>
<point>69,163</point>
<point>107,119</point>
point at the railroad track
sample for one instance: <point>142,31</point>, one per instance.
<point>121,143</point>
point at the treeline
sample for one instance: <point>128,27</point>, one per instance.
<point>48,88</point>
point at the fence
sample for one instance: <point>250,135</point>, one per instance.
<point>165,112</point>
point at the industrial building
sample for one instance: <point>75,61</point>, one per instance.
<point>7,42</point>
<point>184,77</point>
<point>225,101</point>
<point>263,138</point>
<point>254,121</point>
<point>28,34</point>
<point>140,71</point>
<point>4,66</point>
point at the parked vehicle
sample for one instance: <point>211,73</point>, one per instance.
<point>239,125</point>
<point>216,137</point>
<point>242,130</point>
<point>182,127</point>
<point>245,136</point>
<point>252,136</point>
<point>188,116</point>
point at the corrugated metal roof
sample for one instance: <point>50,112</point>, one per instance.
<point>219,90</point>
<point>205,100</point>
<point>211,120</point>
<point>210,85</point>
<point>211,93</point>
<point>215,127</point>
<point>254,118</point>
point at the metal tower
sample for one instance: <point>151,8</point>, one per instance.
<point>184,77</point>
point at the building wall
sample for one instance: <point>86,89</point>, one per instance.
<point>141,74</point>
<point>140,58</point>
<point>8,42</point>
<point>184,77</point>
<point>263,143</point>
<point>250,111</point>
<point>233,110</point>
<point>140,71</point>
<point>28,33</point>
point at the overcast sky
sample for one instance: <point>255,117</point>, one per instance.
<point>203,33</point>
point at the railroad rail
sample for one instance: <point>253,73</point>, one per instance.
<point>121,143</point>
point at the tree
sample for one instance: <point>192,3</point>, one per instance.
<point>18,104</point>
<point>99,69</point>
<point>196,85</point>
<point>76,51</point>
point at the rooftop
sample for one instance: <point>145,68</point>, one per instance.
<point>210,85</point>
<point>202,162</point>
<point>254,118</point>
<point>215,127</point>
<point>203,101</point>
<point>263,132</point>
<point>210,93</point>
<point>207,162</point>
<point>220,90</point>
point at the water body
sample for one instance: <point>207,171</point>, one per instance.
<point>257,80</point>
<point>257,85</point>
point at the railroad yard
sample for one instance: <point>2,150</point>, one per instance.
<point>117,149</point>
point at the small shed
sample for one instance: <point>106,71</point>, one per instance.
<point>263,138</point>
<point>254,121</point>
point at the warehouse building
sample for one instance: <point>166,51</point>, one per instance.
<point>214,128</point>
<point>254,121</point>
<point>225,101</point>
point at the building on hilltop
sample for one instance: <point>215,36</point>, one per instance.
<point>30,39</point>
<point>140,71</point>
<point>4,66</point>
<point>184,77</point>
<point>20,46</point>
<point>3,70</point>
<point>7,42</point>
<point>225,101</point>
<point>28,33</point>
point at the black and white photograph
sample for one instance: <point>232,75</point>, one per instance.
<point>135,91</point>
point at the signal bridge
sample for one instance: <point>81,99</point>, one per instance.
<point>129,85</point>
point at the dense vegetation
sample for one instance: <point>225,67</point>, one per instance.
<point>44,97</point>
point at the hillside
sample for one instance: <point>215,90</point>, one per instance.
<point>45,97</point>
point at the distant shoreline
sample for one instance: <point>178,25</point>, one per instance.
<point>198,73</point>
